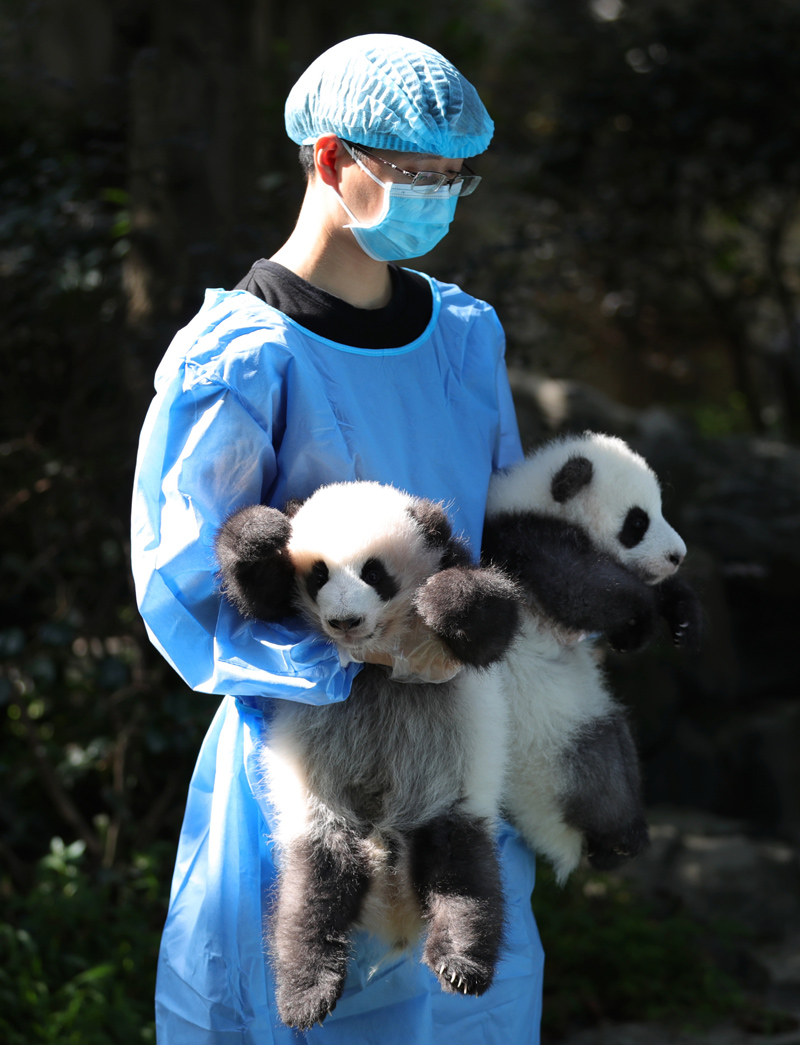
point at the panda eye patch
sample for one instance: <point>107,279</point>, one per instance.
<point>634,528</point>
<point>316,577</point>
<point>375,574</point>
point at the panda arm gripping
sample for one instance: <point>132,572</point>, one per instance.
<point>256,570</point>
<point>474,611</point>
<point>570,579</point>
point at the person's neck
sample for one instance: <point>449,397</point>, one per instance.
<point>325,254</point>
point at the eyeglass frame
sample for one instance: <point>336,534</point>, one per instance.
<point>458,179</point>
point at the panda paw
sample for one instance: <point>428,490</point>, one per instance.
<point>607,852</point>
<point>632,635</point>
<point>681,609</point>
<point>304,1004</point>
<point>256,571</point>
<point>476,612</point>
<point>460,974</point>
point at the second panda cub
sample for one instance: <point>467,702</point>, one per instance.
<point>579,525</point>
<point>387,802</point>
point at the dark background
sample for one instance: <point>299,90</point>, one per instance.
<point>637,231</point>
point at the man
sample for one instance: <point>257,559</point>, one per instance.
<point>328,363</point>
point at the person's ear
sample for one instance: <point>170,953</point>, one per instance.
<point>329,157</point>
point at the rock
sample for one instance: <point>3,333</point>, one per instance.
<point>712,868</point>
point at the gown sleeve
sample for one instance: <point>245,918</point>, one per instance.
<point>204,452</point>
<point>508,449</point>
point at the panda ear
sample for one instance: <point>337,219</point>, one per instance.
<point>438,533</point>
<point>433,521</point>
<point>570,478</point>
<point>291,508</point>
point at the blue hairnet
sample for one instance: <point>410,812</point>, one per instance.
<point>389,92</point>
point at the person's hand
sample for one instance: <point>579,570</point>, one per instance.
<point>422,657</point>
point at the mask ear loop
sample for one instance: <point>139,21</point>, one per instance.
<point>387,188</point>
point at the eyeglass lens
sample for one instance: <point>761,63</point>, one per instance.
<point>428,181</point>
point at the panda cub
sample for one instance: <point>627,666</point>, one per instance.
<point>386,803</point>
<point>579,525</point>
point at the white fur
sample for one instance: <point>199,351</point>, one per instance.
<point>553,690</point>
<point>345,524</point>
<point>622,480</point>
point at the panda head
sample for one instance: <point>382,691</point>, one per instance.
<point>360,552</point>
<point>598,483</point>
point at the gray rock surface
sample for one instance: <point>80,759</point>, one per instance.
<point>713,868</point>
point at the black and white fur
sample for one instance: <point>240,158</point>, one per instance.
<point>386,803</point>
<point>579,525</point>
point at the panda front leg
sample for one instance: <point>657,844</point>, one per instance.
<point>322,883</point>
<point>603,795</point>
<point>456,874</point>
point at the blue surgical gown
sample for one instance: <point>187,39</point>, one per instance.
<point>250,408</point>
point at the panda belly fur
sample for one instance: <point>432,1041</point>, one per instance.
<point>554,692</point>
<point>392,758</point>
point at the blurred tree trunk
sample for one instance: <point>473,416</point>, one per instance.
<point>196,145</point>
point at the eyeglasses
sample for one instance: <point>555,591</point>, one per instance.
<point>428,182</point>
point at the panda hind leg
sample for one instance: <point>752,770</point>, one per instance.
<point>456,873</point>
<point>321,888</point>
<point>603,799</point>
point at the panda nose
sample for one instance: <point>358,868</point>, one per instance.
<point>675,558</point>
<point>344,623</point>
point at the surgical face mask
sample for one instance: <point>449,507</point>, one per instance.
<point>409,224</point>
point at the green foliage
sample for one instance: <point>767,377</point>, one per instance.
<point>660,242</point>
<point>97,736</point>
<point>70,976</point>
<point>612,954</point>
<point>724,418</point>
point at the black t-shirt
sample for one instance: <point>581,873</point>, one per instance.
<point>399,323</point>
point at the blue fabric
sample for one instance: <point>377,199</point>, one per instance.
<point>250,407</point>
<point>389,92</point>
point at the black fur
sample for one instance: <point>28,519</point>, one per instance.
<point>636,524</point>
<point>571,580</point>
<point>439,533</point>
<point>457,875</point>
<point>605,801</point>
<point>571,478</point>
<point>316,578</point>
<point>682,610</point>
<point>378,577</point>
<point>475,612</point>
<point>321,888</point>
<point>257,573</point>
